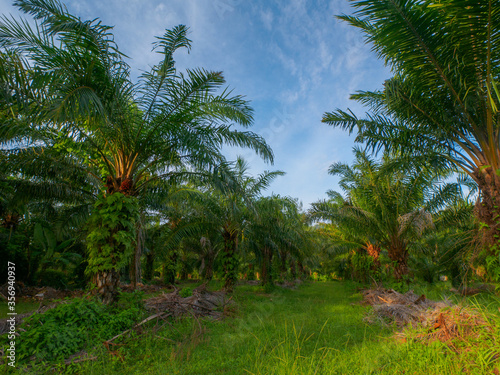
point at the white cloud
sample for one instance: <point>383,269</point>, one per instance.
<point>267,18</point>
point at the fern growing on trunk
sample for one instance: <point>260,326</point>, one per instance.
<point>111,241</point>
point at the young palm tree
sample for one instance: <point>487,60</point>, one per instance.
<point>126,135</point>
<point>383,208</point>
<point>442,100</point>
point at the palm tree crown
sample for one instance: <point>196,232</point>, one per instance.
<point>129,133</point>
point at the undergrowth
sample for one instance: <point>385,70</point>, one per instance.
<point>318,328</point>
<point>72,326</point>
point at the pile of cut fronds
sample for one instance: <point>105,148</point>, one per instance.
<point>435,320</point>
<point>390,306</point>
<point>201,303</point>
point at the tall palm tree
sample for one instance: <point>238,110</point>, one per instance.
<point>124,134</point>
<point>384,208</point>
<point>442,100</point>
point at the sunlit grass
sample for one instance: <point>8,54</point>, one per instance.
<point>316,329</point>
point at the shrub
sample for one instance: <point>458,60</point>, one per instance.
<point>70,327</point>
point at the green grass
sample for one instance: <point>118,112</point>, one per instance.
<point>22,306</point>
<point>268,332</point>
<point>317,329</point>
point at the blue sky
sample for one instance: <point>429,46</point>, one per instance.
<point>292,59</point>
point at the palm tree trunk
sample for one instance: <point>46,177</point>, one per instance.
<point>293,269</point>
<point>208,269</point>
<point>229,261</point>
<point>132,271</point>
<point>170,268</point>
<point>149,268</point>
<point>207,260</point>
<point>266,266</point>
<point>302,269</point>
<point>250,272</point>
<point>11,222</point>
<point>283,267</point>
<point>112,242</point>
<point>107,283</point>
<point>183,273</point>
<point>487,209</point>
<point>399,255</point>
<point>135,265</point>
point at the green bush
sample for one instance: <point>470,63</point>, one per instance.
<point>71,327</point>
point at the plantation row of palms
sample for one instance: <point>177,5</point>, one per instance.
<point>85,147</point>
<point>405,215</point>
<point>113,179</point>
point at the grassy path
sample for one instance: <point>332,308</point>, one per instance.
<point>317,329</point>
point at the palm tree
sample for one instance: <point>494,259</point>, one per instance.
<point>384,208</point>
<point>442,101</point>
<point>177,214</point>
<point>123,134</point>
<point>455,239</point>
<point>225,211</point>
<point>277,230</point>
<point>234,211</point>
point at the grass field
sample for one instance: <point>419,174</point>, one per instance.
<point>316,329</point>
<point>288,331</point>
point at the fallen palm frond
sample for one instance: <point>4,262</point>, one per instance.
<point>202,303</point>
<point>441,320</point>
<point>40,293</point>
<point>390,306</point>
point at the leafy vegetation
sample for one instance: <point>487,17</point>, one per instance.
<point>106,181</point>
<point>318,328</point>
<point>442,102</point>
<point>72,326</point>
